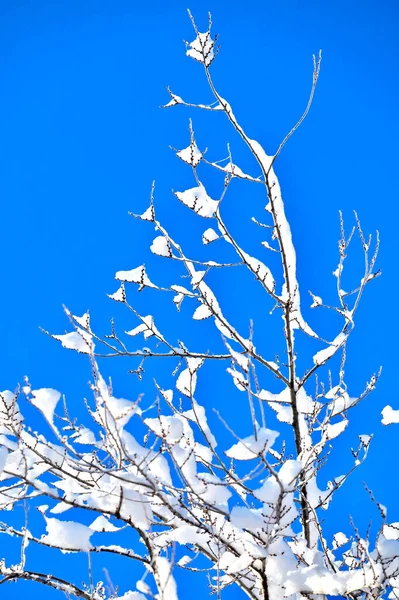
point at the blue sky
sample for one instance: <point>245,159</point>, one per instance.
<point>82,137</point>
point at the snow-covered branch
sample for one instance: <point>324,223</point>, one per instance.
<point>192,494</point>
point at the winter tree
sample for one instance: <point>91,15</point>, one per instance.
<point>168,480</point>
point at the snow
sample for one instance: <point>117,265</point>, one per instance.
<point>84,436</point>
<point>78,340</point>
<point>240,563</point>
<point>147,327</point>
<point>339,400</point>
<point>120,409</point>
<point>184,560</point>
<point>149,214</point>
<point>46,400</point>
<point>181,290</point>
<point>174,100</point>
<point>119,295</point>
<point>339,539</point>
<point>247,518</point>
<point>235,171</point>
<point>240,381</point>
<point>190,155</point>
<point>316,496</point>
<point>169,428</point>
<point>209,236</point>
<point>273,487</point>
<point>203,453</point>
<point>389,415</point>
<point>365,439</point>
<point>156,477</point>
<point>67,535</point>
<point>167,583</point>
<point>160,246</point>
<point>317,301</point>
<point>225,331</point>
<point>197,278</point>
<point>151,461</point>
<point>131,596</point>
<point>198,200</point>
<point>137,275</point>
<point>268,246</point>
<point>391,531</point>
<point>333,430</point>
<point>202,312</point>
<point>188,534</point>
<point>197,414</point>
<point>83,321</point>
<point>201,49</point>
<point>215,492</point>
<point>260,270</point>
<point>3,458</point>
<point>273,364</point>
<point>338,270</point>
<point>290,471</point>
<point>181,293</point>
<point>143,587</point>
<point>324,355</point>
<point>315,579</point>
<point>186,382</point>
<point>133,506</point>
<point>168,395</point>
<point>9,412</point>
<point>102,524</point>
<point>249,448</point>
<point>280,403</point>
<point>282,224</point>
<point>241,360</point>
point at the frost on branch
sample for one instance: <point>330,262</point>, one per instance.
<point>165,481</point>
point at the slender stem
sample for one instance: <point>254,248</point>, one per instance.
<point>268,174</point>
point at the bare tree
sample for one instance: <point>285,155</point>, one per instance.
<point>248,515</point>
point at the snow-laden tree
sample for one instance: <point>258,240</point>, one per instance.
<point>248,514</point>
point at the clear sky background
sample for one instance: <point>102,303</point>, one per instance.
<point>82,137</point>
